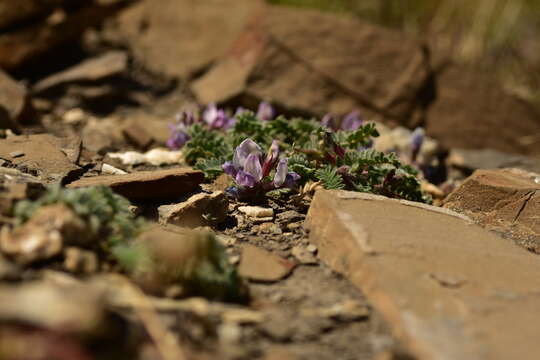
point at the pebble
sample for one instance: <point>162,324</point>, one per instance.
<point>303,255</point>
<point>312,248</point>
<point>16,154</point>
<point>257,211</point>
<point>111,170</point>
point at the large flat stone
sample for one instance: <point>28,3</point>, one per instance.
<point>148,185</point>
<point>449,289</point>
<point>504,200</point>
<point>354,64</point>
<point>180,37</point>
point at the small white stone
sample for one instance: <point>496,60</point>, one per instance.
<point>257,211</point>
<point>111,170</point>
<point>74,116</point>
<point>311,248</point>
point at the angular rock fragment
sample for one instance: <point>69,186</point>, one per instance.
<point>505,200</point>
<point>42,155</point>
<point>475,159</point>
<point>199,210</point>
<point>22,45</point>
<point>181,37</point>
<point>14,106</point>
<point>156,185</point>
<point>91,70</point>
<point>471,104</point>
<point>260,265</point>
<point>44,235</point>
<point>391,249</point>
<point>257,211</point>
<point>365,66</point>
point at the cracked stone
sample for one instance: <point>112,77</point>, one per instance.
<point>505,200</point>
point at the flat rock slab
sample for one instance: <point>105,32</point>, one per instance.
<point>261,265</point>
<point>504,200</point>
<point>148,185</point>
<point>180,37</point>
<point>449,289</point>
<point>49,157</point>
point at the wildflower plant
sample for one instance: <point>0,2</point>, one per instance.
<point>334,152</point>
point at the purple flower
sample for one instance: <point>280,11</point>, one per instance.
<point>251,173</point>
<point>179,130</point>
<point>265,112</point>
<point>217,118</point>
<point>352,121</point>
<point>416,141</point>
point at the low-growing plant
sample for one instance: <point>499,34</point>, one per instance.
<point>335,152</point>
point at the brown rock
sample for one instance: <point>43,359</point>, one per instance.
<point>44,235</point>
<point>260,265</point>
<point>180,37</point>
<point>391,249</point>
<point>22,45</point>
<point>137,135</point>
<point>14,105</point>
<point>504,200</point>
<point>471,104</point>
<point>199,210</point>
<point>81,261</point>
<point>72,308</point>
<point>14,12</point>
<point>42,155</point>
<point>95,69</point>
<point>354,64</point>
<point>474,159</point>
<point>148,185</point>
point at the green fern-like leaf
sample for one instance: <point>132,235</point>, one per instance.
<point>212,167</point>
<point>330,178</point>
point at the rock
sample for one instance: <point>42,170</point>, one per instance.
<point>260,265</point>
<point>8,270</point>
<point>44,235</point>
<point>180,37</point>
<point>43,156</point>
<point>81,261</point>
<point>303,255</point>
<point>14,105</point>
<point>12,13</point>
<point>137,136</point>
<point>111,170</point>
<point>24,44</point>
<point>470,104</point>
<point>257,211</point>
<point>350,310</point>
<point>354,65</point>
<point>156,185</point>
<point>100,136</point>
<point>474,159</point>
<point>389,248</point>
<point>70,309</point>
<point>91,70</point>
<point>156,157</point>
<point>199,210</point>
<point>505,200</point>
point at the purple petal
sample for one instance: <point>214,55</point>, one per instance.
<point>239,111</point>
<point>281,173</point>
<point>244,179</point>
<point>179,136</point>
<point>329,121</point>
<point>271,158</point>
<point>210,114</point>
<point>253,167</point>
<point>229,169</point>
<point>291,179</point>
<point>265,112</point>
<point>242,152</point>
<point>352,121</point>
<point>417,139</point>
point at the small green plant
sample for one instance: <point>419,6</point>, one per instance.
<point>334,152</point>
<point>106,213</point>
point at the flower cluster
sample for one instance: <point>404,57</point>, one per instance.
<point>213,118</point>
<point>251,172</point>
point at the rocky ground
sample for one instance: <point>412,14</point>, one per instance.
<point>87,92</point>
